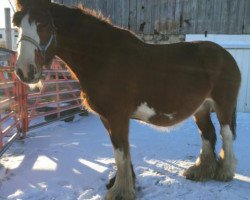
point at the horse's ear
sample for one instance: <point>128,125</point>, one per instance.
<point>20,4</point>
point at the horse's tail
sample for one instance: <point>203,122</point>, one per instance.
<point>233,123</point>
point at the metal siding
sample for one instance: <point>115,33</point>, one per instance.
<point>241,53</point>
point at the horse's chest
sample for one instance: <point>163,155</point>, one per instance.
<point>89,104</point>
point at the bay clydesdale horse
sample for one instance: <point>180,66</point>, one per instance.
<point>123,78</point>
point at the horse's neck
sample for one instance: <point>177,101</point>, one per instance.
<point>76,44</point>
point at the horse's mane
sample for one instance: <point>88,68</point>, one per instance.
<point>96,14</point>
<point>80,8</point>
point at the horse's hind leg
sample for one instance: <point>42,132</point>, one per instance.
<point>227,162</point>
<point>225,98</point>
<point>122,186</point>
<point>205,166</point>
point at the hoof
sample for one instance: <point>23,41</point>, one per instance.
<point>225,177</point>
<point>114,194</point>
<point>225,171</point>
<point>201,172</point>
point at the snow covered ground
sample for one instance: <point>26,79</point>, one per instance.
<point>73,161</point>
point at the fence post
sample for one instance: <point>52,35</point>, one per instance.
<point>21,93</point>
<point>21,96</point>
<point>1,136</point>
<point>24,109</point>
<point>8,30</point>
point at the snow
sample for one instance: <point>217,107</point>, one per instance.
<point>73,161</point>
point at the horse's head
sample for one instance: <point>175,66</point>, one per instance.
<point>36,44</point>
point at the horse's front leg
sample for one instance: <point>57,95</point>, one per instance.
<point>123,187</point>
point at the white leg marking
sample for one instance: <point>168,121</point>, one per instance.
<point>26,50</point>
<point>206,147</point>
<point>144,112</point>
<point>227,157</point>
<point>206,151</point>
<point>119,157</point>
<point>205,165</point>
<point>207,103</point>
<point>123,185</point>
<point>206,154</point>
<point>227,148</point>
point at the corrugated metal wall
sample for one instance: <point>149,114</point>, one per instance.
<point>175,16</point>
<point>239,47</point>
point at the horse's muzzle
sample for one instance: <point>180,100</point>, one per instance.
<point>33,74</point>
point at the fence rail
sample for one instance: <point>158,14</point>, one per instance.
<point>9,101</point>
<point>22,109</point>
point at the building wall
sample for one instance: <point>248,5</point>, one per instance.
<point>156,17</point>
<point>239,47</point>
<point>3,38</point>
<point>168,21</point>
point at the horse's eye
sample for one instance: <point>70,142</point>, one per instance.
<point>41,25</point>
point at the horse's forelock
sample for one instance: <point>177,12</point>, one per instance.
<point>17,18</point>
<point>33,7</point>
<point>26,4</point>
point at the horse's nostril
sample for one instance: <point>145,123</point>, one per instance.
<point>31,72</point>
<point>32,76</point>
<point>32,69</point>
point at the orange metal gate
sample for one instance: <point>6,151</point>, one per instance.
<point>10,87</point>
<point>22,109</point>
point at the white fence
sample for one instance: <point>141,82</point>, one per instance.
<point>239,47</point>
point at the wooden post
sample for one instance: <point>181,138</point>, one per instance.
<point>8,29</point>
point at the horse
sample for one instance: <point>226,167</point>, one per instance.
<point>123,78</point>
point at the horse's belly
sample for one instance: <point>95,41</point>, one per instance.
<point>148,114</point>
<point>156,117</point>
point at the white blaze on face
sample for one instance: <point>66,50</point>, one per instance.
<point>26,50</point>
